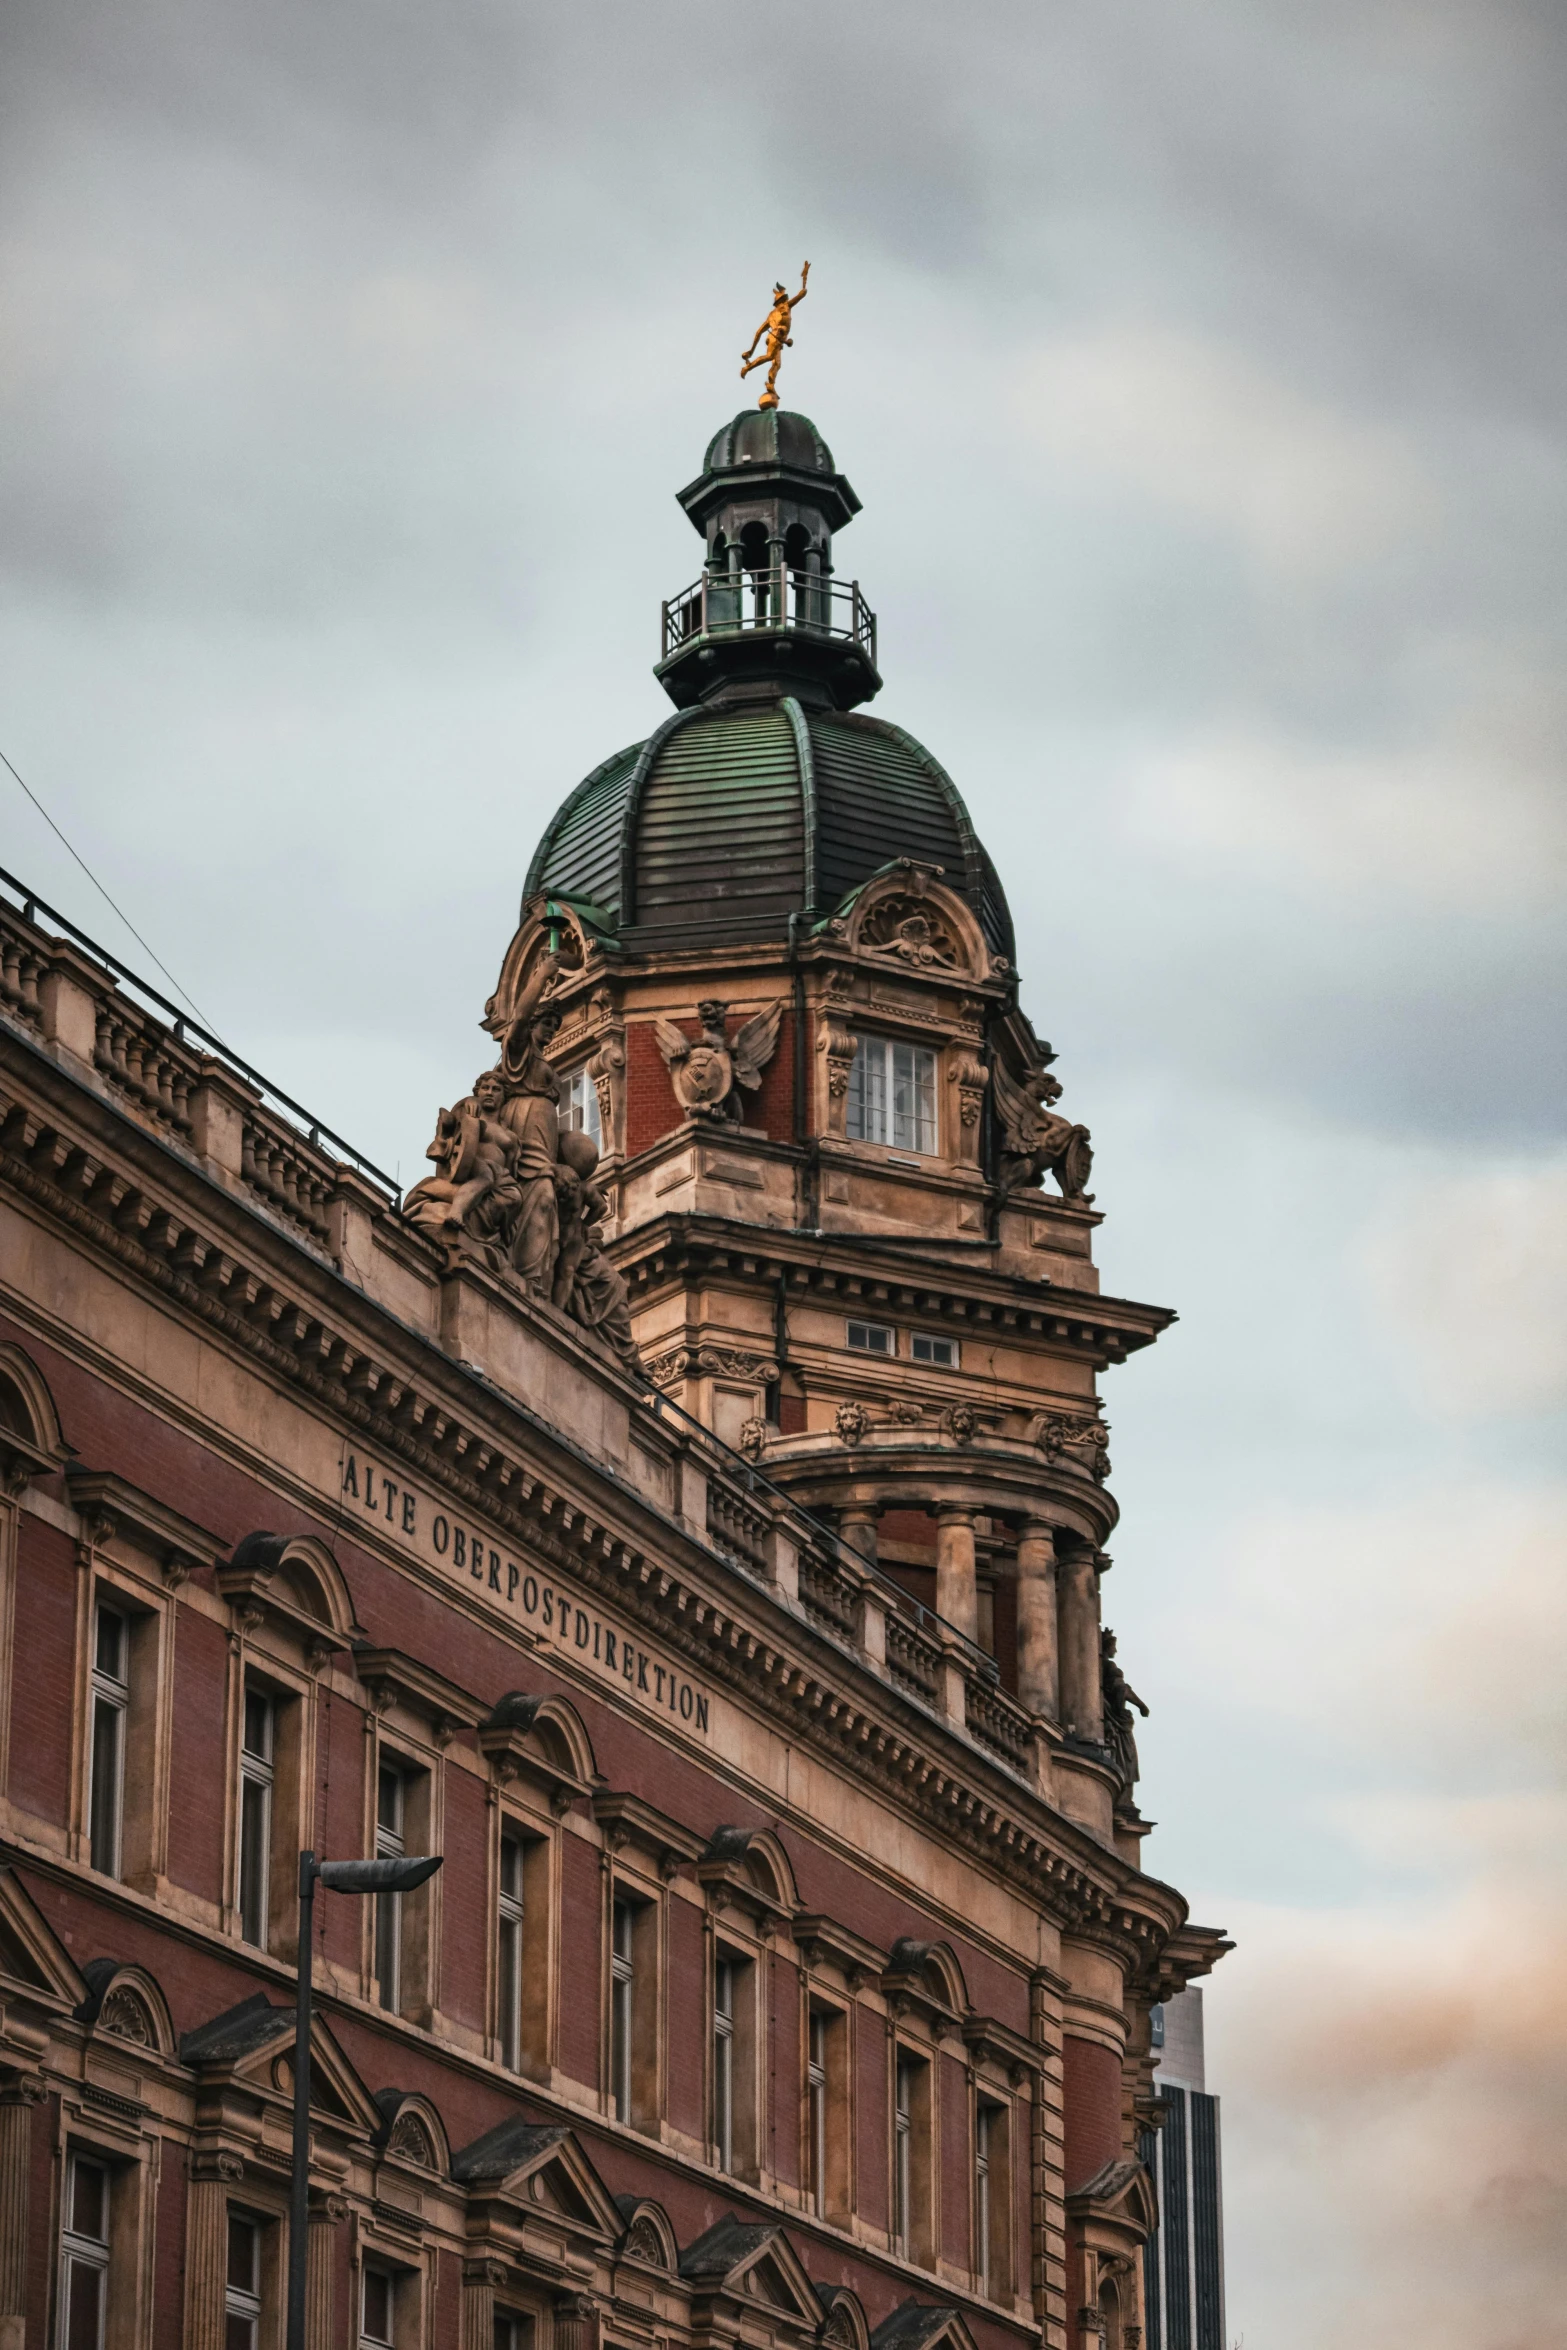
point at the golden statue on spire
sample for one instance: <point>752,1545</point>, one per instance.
<point>775,326</point>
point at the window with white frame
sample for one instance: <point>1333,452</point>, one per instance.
<point>725,1973</point>
<point>816,2112</point>
<point>84,2254</point>
<point>390,1813</point>
<point>926,1347</point>
<point>242,2292</point>
<point>111,1702</point>
<point>511,2332</point>
<point>378,2308</point>
<point>257,1759</point>
<point>510,1918</point>
<point>580,1105</point>
<point>993,2198</point>
<point>870,1338</point>
<point>892,1095</point>
<point>622,2005</point>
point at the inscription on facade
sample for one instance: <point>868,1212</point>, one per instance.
<point>462,1551</point>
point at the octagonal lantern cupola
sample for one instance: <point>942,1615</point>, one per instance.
<point>767,615</point>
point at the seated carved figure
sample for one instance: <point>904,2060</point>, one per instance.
<point>476,1192</point>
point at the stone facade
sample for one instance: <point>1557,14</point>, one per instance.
<point>787,1977</point>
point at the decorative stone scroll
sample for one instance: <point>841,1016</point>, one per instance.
<point>713,1362</point>
<point>1068,1436</point>
<point>515,1187</point>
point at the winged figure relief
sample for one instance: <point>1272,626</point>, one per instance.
<point>1034,1140</point>
<point>704,1070</point>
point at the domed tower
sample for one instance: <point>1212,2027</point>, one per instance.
<point>854,1229</point>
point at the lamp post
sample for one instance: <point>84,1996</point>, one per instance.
<point>338,1876</point>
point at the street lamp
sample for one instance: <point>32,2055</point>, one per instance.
<point>338,1876</point>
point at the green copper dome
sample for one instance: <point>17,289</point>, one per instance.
<point>729,819</point>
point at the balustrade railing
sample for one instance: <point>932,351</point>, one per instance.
<point>997,1722</point>
<point>156,1059</point>
<point>914,1659</point>
<point>724,603</point>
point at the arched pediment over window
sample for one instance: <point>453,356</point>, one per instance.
<point>753,1864</point>
<point>906,916</point>
<point>649,2236</point>
<point>31,1444</point>
<point>927,1973</point>
<point>412,2131</point>
<point>126,2003</point>
<point>543,1738</point>
<point>295,1577</point>
<point>843,2319</point>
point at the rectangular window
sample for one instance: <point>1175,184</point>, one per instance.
<point>871,1338</point>
<point>622,2006</point>
<point>111,1702</point>
<point>903,2155</point>
<point>911,2199</point>
<point>816,2113</point>
<point>242,2295</point>
<point>508,1950</point>
<point>84,2280</point>
<point>892,1095</point>
<point>390,1810</point>
<point>378,2309</point>
<point>993,2199</point>
<point>256,1771</point>
<point>724,1974</point>
<point>942,1352</point>
<point>580,1108</point>
<point>511,2332</point>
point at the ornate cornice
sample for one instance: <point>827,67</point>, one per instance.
<point>440,1420</point>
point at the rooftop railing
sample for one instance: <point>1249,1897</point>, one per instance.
<point>733,603</point>
<point>155,1057</point>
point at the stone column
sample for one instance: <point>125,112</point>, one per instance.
<point>207,2248</point>
<point>576,2323</point>
<point>1082,1681</point>
<point>19,2093</point>
<point>957,1587</point>
<point>479,2280</point>
<point>327,2212</point>
<point>857,1527</point>
<point>1038,1655</point>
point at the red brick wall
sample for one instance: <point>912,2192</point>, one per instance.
<point>651,1107</point>
<point>1091,2093</point>
<point>870,2056</point>
<point>955,2164</point>
<point>581,1899</point>
<point>687,2012</point>
<point>782,2084</point>
<point>465,1900</point>
<point>200,1665</point>
<point>41,1695</point>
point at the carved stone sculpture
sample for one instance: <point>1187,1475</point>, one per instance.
<point>516,1188</point>
<point>704,1072</point>
<point>1034,1141</point>
<point>1070,1436</point>
<point>1119,1728</point>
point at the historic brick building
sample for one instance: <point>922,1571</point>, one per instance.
<point>787,1978</point>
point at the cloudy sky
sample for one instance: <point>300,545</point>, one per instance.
<point>1200,364</point>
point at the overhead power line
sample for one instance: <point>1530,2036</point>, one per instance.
<point>103,893</point>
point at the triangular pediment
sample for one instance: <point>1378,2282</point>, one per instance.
<point>923,2325</point>
<point>755,2262</point>
<point>542,2167</point>
<point>254,2044</point>
<point>33,1959</point>
<point>1119,2190</point>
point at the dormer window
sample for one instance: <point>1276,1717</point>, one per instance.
<point>892,1095</point>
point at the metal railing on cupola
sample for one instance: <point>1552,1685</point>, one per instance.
<point>731,603</point>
